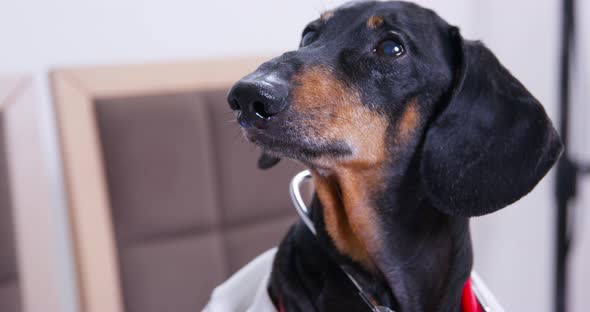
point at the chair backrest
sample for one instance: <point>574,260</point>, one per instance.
<point>165,197</point>
<point>9,277</point>
<point>34,275</point>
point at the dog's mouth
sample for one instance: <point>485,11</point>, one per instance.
<point>297,147</point>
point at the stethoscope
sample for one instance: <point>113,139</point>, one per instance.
<point>304,213</point>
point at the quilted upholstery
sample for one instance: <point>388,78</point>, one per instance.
<point>189,206</point>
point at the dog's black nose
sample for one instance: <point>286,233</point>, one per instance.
<point>258,101</point>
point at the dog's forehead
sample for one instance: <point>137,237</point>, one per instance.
<point>358,22</point>
<point>359,11</point>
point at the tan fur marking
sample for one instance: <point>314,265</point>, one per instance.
<point>375,21</point>
<point>408,122</point>
<point>339,114</point>
<point>337,222</point>
<point>351,221</point>
<point>326,16</point>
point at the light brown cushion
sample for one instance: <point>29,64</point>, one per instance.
<point>245,242</point>
<point>158,165</point>
<point>172,274</point>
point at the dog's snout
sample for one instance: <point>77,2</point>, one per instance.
<point>258,101</point>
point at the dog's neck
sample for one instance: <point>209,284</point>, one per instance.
<point>349,212</point>
<point>384,223</point>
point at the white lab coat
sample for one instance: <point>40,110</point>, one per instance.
<point>246,291</point>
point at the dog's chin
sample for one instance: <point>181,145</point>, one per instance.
<point>299,149</point>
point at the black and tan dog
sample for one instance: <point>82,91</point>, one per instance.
<point>408,130</point>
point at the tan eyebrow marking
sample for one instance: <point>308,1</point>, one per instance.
<point>326,16</point>
<point>409,122</point>
<point>375,21</point>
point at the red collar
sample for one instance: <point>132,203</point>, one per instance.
<point>469,301</point>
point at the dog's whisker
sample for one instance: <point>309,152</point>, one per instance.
<point>340,117</point>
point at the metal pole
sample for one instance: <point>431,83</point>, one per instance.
<point>567,169</point>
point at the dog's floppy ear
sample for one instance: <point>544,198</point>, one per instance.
<point>491,143</point>
<point>266,161</point>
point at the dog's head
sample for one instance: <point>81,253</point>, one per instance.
<point>373,79</point>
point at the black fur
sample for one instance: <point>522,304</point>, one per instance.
<point>267,161</point>
<point>492,143</point>
<point>483,142</point>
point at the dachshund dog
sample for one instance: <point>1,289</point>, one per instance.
<point>408,130</point>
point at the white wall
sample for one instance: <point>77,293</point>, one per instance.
<point>513,247</point>
<point>44,34</point>
<point>581,151</point>
<point>520,239</point>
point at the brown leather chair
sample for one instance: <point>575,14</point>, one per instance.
<point>173,203</point>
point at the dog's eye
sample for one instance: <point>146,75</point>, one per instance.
<point>309,36</point>
<point>391,47</point>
